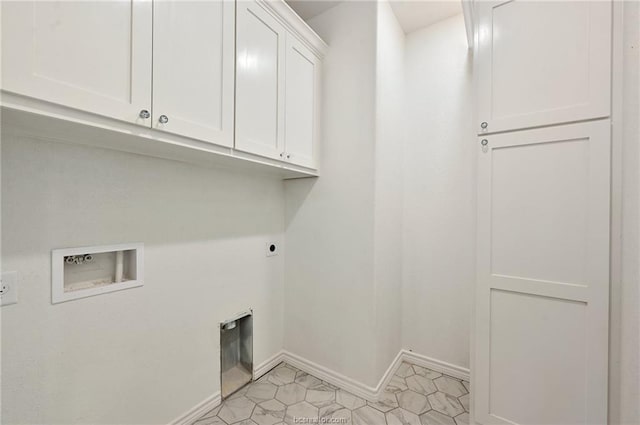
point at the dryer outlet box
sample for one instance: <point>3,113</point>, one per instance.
<point>271,249</point>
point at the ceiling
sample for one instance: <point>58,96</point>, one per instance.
<point>307,9</point>
<point>412,14</point>
<point>417,14</point>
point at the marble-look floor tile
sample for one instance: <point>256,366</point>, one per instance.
<point>291,393</point>
<point>273,405</point>
<point>405,370</point>
<point>450,386</point>
<point>237,409</point>
<point>261,391</point>
<point>388,401</point>
<point>367,415</point>
<point>287,365</point>
<point>445,403</point>
<point>333,387</point>
<point>421,384</point>
<point>396,384</point>
<point>464,400</point>
<point>349,400</point>
<point>263,378</point>
<point>212,420</point>
<point>307,380</point>
<point>427,373</point>
<point>330,409</point>
<point>340,416</point>
<point>413,402</point>
<point>321,396</point>
<point>268,412</point>
<point>286,393</point>
<point>239,393</point>
<point>462,419</point>
<point>401,416</point>
<point>282,375</point>
<point>302,412</point>
<point>212,412</point>
<point>436,418</point>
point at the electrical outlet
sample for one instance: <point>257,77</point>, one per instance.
<point>9,288</point>
<point>272,249</point>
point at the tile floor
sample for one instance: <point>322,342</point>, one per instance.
<point>415,396</point>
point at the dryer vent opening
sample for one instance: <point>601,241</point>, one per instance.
<point>236,353</point>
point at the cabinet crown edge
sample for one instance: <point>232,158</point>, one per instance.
<point>295,25</point>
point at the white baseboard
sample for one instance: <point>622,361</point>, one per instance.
<point>437,365</point>
<point>388,374</point>
<point>190,416</point>
<point>268,364</point>
<point>373,393</point>
<point>331,376</point>
<point>348,384</point>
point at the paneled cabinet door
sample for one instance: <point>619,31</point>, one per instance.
<point>260,59</point>
<point>193,66</point>
<point>92,56</point>
<point>542,298</point>
<point>301,106</point>
<point>542,63</point>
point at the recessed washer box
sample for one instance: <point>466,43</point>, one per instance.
<point>94,270</point>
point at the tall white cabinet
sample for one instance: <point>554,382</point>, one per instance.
<point>239,79</point>
<point>543,75</point>
<point>92,56</point>
<point>277,88</point>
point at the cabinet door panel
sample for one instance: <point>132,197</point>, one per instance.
<point>542,63</point>
<point>193,66</point>
<point>93,56</point>
<point>542,296</point>
<point>302,77</point>
<point>259,81</point>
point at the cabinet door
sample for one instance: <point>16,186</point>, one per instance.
<point>301,106</point>
<point>259,81</point>
<point>541,331</point>
<point>542,63</point>
<point>94,56</point>
<point>193,66</point>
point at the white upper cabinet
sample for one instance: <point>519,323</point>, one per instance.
<point>242,76</point>
<point>301,107</point>
<point>193,67</point>
<point>92,56</point>
<point>260,82</point>
<point>542,63</point>
<point>277,84</point>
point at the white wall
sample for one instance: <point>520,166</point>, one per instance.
<point>388,186</point>
<point>344,231</point>
<point>439,193</point>
<point>329,299</point>
<point>143,355</point>
<point>351,281</point>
